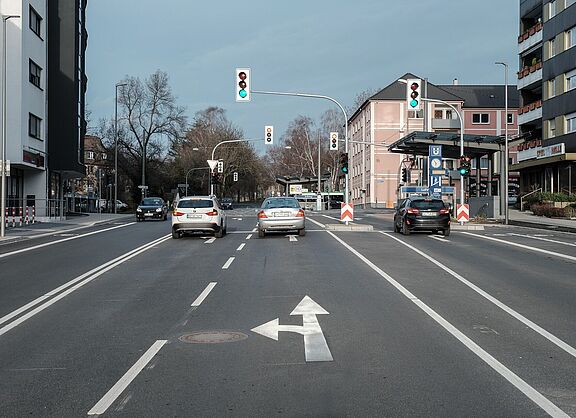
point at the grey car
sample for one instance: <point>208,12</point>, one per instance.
<point>281,214</point>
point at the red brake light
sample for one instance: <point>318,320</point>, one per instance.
<point>213,212</point>
<point>300,213</point>
<point>413,211</point>
<point>261,215</point>
<point>444,211</point>
<point>176,213</point>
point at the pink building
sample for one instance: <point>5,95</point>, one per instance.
<point>384,119</point>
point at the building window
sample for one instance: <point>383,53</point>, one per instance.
<point>571,37</point>
<point>35,72</point>
<point>90,155</point>
<point>551,48</point>
<point>551,9</point>
<point>415,114</point>
<point>510,119</point>
<point>551,88</point>
<point>35,22</point>
<point>571,123</point>
<point>571,79</point>
<point>480,118</point>
<point>34,126</point>
<point>551,128</point>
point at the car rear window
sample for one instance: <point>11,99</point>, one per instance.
<point>280,203</point>
<point>195,203</point>
<point>428,204</point>
<point>151,202</point>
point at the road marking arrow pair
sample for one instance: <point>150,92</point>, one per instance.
<point>315,345</point>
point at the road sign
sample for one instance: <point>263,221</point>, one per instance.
<point>143,187</point>
<point>463,213</point>
<point>212,164</point>
<point>435,170</point>
<point>346,212</point>
<point>425,190</point>
<point>182,185</point>
<point>295,189</point>
<point>315,345</point>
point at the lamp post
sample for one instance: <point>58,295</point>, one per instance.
<point>5,19</point>
<point>505,165</point>
<point>116,144</point>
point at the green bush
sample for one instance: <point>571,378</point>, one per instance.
<point>548,211</point>
<point>540,197</point>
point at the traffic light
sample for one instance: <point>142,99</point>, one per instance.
<point>465,166</point>
<point>333,141</point>
<point>215,178</point>
<point>243,84</point>
<point>344,163</point>
<point>220,168</point>
<point>235,176</point>
<point>268,135</point>
<point>404,175</point>
<point>413,93</point>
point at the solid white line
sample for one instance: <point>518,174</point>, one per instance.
<point>331,217</point>
<point>506,373</point>
<point>544,239</point>
<point>204,293</point>
<point>535,327</point>
<point>240,247</point>
<point>116,390</point>
<point>436,237</point>
<point>210,241</point>
<point>292,238</point>
<point>317,223</point>
<point>86,278</point>
<point>46,244</point>
<point>526,247</point>
<point>227,264</point>
<point>249,236</point>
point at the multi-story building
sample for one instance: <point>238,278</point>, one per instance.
<point>384,119</point>
<point>547,86</point>
<point>45,90</point>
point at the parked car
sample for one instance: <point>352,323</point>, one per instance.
<point>152,208</point>
<point>198,214</point>
<point>281,214</point>
<point>422,214</point>
<point>227,203</point>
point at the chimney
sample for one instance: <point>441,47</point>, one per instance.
<point>455,82</point>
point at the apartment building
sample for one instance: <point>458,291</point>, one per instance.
<point>384,118</point>
<point>547,86</point>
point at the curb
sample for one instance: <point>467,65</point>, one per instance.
<point>548,227</point>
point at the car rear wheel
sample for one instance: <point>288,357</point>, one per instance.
<point>396,227</point>
<point>261,233</point>
<point>405,230</point>
<point>176,234</point>
<point>219,233</point>
<point>446,232</point>
<point>301,232</point>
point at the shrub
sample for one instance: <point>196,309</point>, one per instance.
<point>548,211</point>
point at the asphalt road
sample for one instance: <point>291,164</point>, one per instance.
<point>121,320</point>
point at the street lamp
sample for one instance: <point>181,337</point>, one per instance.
<point>505,166</point>
<point>116,144</point>
<point>5,19</point>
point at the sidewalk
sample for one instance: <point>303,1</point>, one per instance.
<point>72,223</point>
<point>526,218</point>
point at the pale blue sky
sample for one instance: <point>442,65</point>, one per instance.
<point>329,47</point>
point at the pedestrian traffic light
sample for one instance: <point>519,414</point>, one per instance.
<point>268,135</point>
<point>413,93</point>
<point>465,166</point>
<point>235,176</point>
<point>404,175</point>
<point>243,84</point>
<point>333,141</point>
<point>344,163</point>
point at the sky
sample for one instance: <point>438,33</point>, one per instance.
<point>335,48</point>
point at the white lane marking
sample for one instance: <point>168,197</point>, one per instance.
<point>254,230</point>
<point>317,223</point>
<point>82,279</point>
<point>239,219</point>
<point>535,327</point>
<point>543,235</point>
<point>204,294</point>
<point>539,237</point>
<point>249,236</point>
<point>46,244</point>
<point>506,373</point>
<point>292,238</point>
<point>526,247</point>
<point>437,238</point>
<point>240,246</point>
<point>210,241</point>
<point>331,217</point>
<point>120,386</point>
<point>227,264</point>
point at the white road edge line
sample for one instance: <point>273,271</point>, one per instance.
<point>526,247</point>
<point>549,336</point>
<point>120,386</point>
<point>204,294</point>
<point>545,239</point>
<point>227,264</point>
<point>83,279</point>
<point>240,246</point>
<point>46,244</point>
<point>506,373</point>
<point>317,223</point>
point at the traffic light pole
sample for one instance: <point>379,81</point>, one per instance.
<point>228,141</point>
<point>318,96</point>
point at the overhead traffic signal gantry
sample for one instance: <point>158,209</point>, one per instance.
<point>269,135</point>
<point>413,93</point>
<point>465,165</point>
<point>333,141</point>
<point>243,84</point>
<point>344,163</point>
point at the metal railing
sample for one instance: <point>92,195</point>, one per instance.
<point>526,195</point>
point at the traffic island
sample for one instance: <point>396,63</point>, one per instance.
<point>349,227</point>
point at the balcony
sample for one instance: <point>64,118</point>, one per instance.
<point>531,37</point>
<point>445,124</point>
<point>529,76</point>
<point>530,112</point>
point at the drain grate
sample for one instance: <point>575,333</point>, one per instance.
<point>212,337</point>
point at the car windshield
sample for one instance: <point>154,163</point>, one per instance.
<point>152,202</point>
<point>280,203</point>
<point>428,204</point>
<point>195,203</point>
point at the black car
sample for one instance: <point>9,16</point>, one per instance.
<point>152,208</point>
<point>422,214</point>
<point>227,203</point>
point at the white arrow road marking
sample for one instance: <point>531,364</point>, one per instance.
<point>315,345</point>
<point>292,238</point>
<point>227,264</point>
<point>210,241</point>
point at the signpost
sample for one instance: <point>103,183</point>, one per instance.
<point>346,212</point>
<point>435,171</point>
<point>463,213</point>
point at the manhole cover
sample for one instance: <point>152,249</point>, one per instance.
<point>212,337</point>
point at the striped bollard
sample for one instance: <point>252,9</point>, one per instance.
<point>6,218</point>
<point>27,219</point>
<point>13,216</point>
<point>33,214</point>
<point>20,215</point>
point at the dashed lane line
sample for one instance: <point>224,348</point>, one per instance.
<point>210,241</point>
<point>240,247</point>
<point>204,294</point>
<point>249,236</point>
<point>227,263</point>
<point>539,237</point>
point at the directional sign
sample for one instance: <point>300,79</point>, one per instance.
<point>463,213</point>
<point>346,212</point>
<point>315,345</point>
<point>434,165</point>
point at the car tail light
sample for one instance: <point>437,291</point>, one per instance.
<point>413,211</point>
<point>300,213</point>
<point>213,212</point>
<point>176,213</point>
<point>261,215</point>
<point>444,211</point>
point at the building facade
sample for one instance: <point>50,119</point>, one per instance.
<point>547,86</point>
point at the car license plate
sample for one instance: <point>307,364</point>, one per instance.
<point>148,214</point>
<point>282,214</point>
<point>429,213</point>
<point>193,216</point>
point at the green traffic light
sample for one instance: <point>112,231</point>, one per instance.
<point>243,93</point>
<point>463,171</point>
<point>413,103</point>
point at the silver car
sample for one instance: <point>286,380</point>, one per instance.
<point>281,214</point>
<point>198,214</point>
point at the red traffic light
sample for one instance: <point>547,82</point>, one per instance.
<point>242,75</point>
<point>414,86</point>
